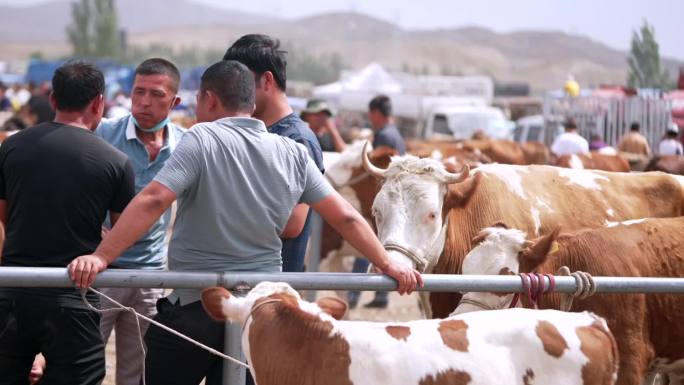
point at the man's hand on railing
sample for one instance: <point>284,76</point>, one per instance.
<point>84,269</point>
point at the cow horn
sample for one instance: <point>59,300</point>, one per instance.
<point>455,177</point>
<point>370,167</point>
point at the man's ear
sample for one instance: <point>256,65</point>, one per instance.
<point>176,102</point>
<point>267,81</point>
<point>53,101</point>
<point>536,252</point>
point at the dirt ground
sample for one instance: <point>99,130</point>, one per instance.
<point>401,308</point>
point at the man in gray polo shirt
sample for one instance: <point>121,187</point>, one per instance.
<point>236,186</point>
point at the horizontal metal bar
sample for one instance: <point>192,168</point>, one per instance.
<point>57,277</point>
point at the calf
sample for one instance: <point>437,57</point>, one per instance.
<point>648,327</point>
<point>288,341</point>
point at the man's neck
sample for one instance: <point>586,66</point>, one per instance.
<point>75,119</point>
<point>275,110</point>
<point>151,137</point>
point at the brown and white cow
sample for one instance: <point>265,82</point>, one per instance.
<point>649,328</point>
<point>594,161</point>
<point>288,341</point>
<point>424,214</point>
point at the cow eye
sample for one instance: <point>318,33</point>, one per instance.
<point>432,215</point>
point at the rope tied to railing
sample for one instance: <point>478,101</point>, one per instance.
<point>534,287</point>
<point>586,287</point>
<point>137,316</point>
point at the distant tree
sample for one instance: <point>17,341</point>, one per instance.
<point>106,28</point>
<point>645,70</point>
<point>94,31</point>
<point>80,35</point>
<point>37,55</point>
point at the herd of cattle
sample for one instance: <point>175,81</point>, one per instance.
<point>487,207</point>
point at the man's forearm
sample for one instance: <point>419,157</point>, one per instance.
<point>360,235</point>
<point>136,219</point>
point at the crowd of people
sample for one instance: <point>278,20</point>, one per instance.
<point>571,142</point>
<point>97,194</point>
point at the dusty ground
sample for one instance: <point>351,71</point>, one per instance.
<point>401,308</point>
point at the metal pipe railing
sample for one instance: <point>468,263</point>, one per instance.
<point>57,277</point>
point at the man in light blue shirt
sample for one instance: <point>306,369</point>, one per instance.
<point>148,138</point>
<point>236,186</point>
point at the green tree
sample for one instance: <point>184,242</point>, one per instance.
<point>645,70</point>
<point>80,35</point>
<point>94,31</point>
<point>106,27</point>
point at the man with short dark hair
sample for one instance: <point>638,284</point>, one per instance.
<point>57,183</point>
<point>148,137</point>
<point>263,56</point>
<point>384,130</point>
<point>236,185</point>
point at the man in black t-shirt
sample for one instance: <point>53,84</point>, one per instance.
<point>58,180</point>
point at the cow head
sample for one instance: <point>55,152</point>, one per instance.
<point>501,251</point>
<point>222,306</point>
<point>409,208</point>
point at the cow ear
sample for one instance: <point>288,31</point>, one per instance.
<point>382,156</point>
<point>212,301</point>
<point>334,306</point>
<point>459,194</point>
<point>481,236</point>
<point>535,254</point>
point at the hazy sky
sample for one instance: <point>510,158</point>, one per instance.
<point>609,21</point>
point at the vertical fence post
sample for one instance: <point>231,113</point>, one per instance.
<point>233,374</point>
<point>314,249</point>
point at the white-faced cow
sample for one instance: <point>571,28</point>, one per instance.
<point>288,341</point>
<point>649,328</point>
<point>427,215</point>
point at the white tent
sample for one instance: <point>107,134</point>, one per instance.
<point>359,86</point>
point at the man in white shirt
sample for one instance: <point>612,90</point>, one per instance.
<point>670,145</point>
<point>569,142</point>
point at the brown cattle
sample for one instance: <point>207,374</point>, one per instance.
<point>429,215</point>
<point>509,152</point>
<point>648,327</point>
<point>535,153</point>
<point>671,164</point>
<point>594,161</point>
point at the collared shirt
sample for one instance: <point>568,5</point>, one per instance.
<point>149,252</point>
<point>293,127</point>
<point>236,185</point>
<point>389,136</point>
<point>569,143</point>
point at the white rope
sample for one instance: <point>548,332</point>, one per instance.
<point>585,287</point>
<point>168,329</point>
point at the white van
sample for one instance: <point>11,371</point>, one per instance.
<point>462,121</point>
